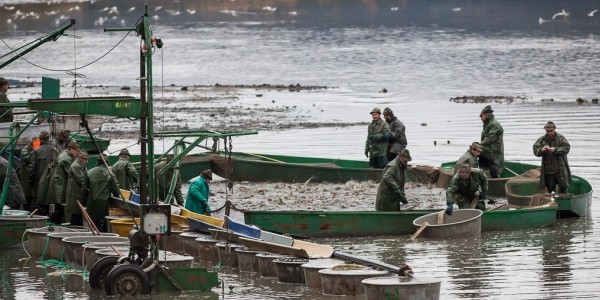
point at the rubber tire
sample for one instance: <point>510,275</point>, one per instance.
<point>100,269</point>
<point>119,272</point>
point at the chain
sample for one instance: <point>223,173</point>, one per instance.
<point>229,167</point>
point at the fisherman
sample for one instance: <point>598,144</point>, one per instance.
<point>62,140</point>
<point>24,173</point>
<point>470,157</point>
<point>492,143</point>
<point>164,182</point>
<point>391,188</point>
<point>60,177</point>
<point>397,141</point>
<point>77,189</point>
<point>101,186</point>
<point>553,148</point>
<point>125,171</point>
<point>377,140</point>
<point>467,189</point>
<point>15,196</point>
<point>198,193</point>
<point>41,164</point>
<point>6,114</point>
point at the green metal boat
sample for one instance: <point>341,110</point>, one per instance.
<point>282,168</point>
<point>372,223</point>
<point>86,143</point>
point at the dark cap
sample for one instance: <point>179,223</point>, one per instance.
<point>486,110</point>
<point>64,134</point>
<point>550,126</point>
<point>375,111</point>
<point>3,81</point>
<point>476,146</point>
<point>207,174</point>
<point>44,135</point>
<point>387,111</point>
<point>124,151</point>
<point>464,169</point>
<point>405,154</point>
<point>73,145</point>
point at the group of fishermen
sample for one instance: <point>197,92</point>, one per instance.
<point>55,177</point>
<point>469,186</point>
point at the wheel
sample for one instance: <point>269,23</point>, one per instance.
<point>127,280</point>
<point>100,269</point>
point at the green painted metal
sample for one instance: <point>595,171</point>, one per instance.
<point>106,106</point>
<point>86,143</point>
<point>576,204</point>
<point>50,88</point>
<point>198,279</point>
<point>373,223</point>
<point>294,168</point>
<point>52,36</point>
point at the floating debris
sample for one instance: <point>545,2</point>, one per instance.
<point>488,99</point>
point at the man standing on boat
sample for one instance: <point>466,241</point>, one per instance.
<point>397,141</point>
<point>126,174</point>
<point>198,193</point>
<point>77,189</point>
<point>102,186</point>
<point>492,143</point>
<point>470,157</point>
<point>467,189</point>
<point>41,164</point>
<point>376,145</point>
<point>59,180</point>
<point>391,188</point>
<point>553,148</point>
<point>164,182</point>
<point>6,114</point>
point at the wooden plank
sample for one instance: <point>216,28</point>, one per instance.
<point>414,236</point>
<point>365,261</point>
<point>440,217</point>
<point>314,250</point>
<point>266,246</point>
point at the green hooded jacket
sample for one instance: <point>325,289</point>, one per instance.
<point>492,141</point>
<point>102,186</point>
<point>393,179</point>
<point>60,176</point>
<point>554,162</point>
<point>126,174</point>
<point>77,187</point>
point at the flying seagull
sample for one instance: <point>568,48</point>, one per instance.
<point>591,13</point>
<point>563,13</point>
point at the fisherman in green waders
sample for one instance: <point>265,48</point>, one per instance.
<point>468,186</point>
<point>102,185</point>
<point>126,174</point>
<point>391,188</point>
<point>470,157</point>
<point>77,189</point>
<point>59,181</point>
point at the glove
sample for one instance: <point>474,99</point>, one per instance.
<point>482,196</point>
<point>367,153</point>
<point>372,138</point>
<point>401,196</point>
<point>449,209</point>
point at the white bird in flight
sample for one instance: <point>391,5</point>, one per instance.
<point>563,13</point>
<point>542,21</point>
<point>591,13</point>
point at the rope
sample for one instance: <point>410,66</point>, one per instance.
<point>77,68</point>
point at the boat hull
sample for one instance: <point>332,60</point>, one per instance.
<point>374,223</point>
<point>577,203</point>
